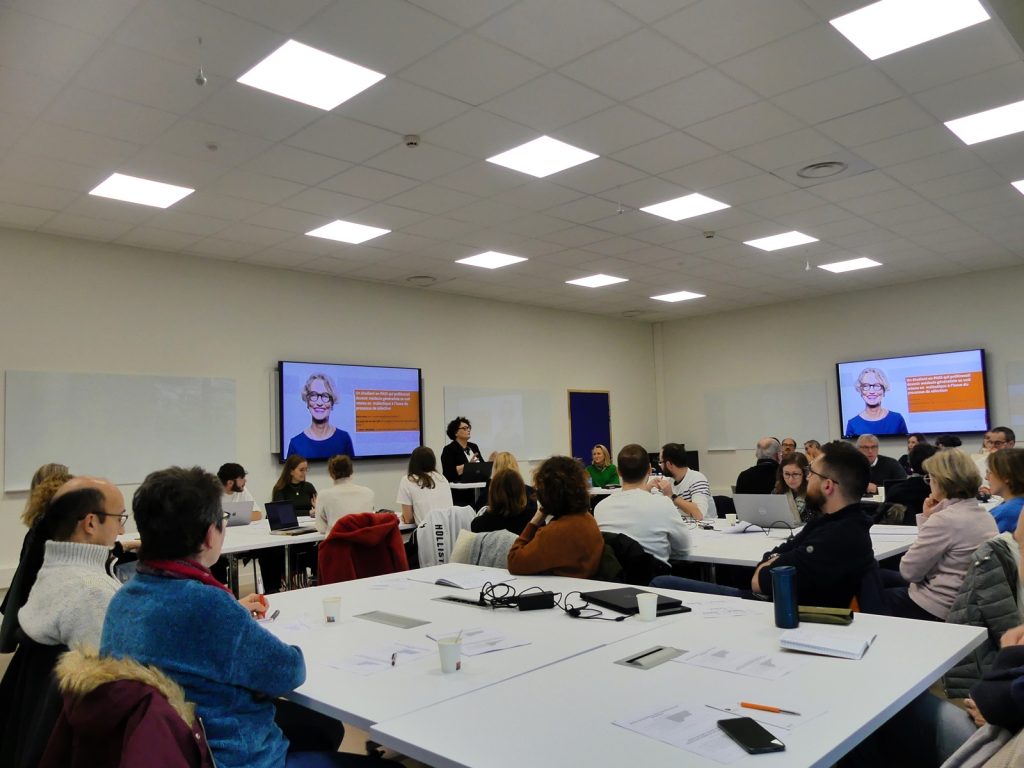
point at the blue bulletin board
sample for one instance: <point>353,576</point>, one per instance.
<point>590,422</point>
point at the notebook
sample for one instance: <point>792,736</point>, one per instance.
<point>476,472</point>
<point>239,512</point>
<point>766,509</point>
<point>623,600</point>
<point>281,515</point>
<point>828,641</point>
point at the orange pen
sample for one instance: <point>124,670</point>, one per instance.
<point>767,708</point>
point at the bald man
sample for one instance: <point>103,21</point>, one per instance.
<point>69,599</point>
<point>760,478</point>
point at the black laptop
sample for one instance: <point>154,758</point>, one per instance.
<point>281,516</point>
<point>476,471</point>
<point>623,600</point>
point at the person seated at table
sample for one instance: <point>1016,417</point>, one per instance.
<point>1005,478</point>
<point>507,460</point>
<point>791,480</point>
<point>292,486</point>
<point>507,505</point>
<point>812,450</point>
<point>787,446</point>
<point>649,519</point>
<point>915,438</point>
<point>423,488</point>
<point>74,585</point>
<point>882,468</point>
<point>912,493</point>
<point>175,616</point>
<point>601,470</point>
<point>760,478</point>
<point>831,553</point>
<point>233,476</point>
<point>571,544</point>
<point>949,529</point>
<point>688,489</point>
<point>343,498</point>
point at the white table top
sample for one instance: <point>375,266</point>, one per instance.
<point>464,486</point>
<point>562,714</point>
<point>747,549</point>
<point>363,701</point>
<point>257,535</point>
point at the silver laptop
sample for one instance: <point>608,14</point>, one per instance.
<point>766,509</point>
<point>239,512</point>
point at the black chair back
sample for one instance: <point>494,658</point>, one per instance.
<point>29,703</point>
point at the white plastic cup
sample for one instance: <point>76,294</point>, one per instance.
<point>881,493</point>
<point>730,519</point>
<point>332,607</point>
<point>450,650</point>
<point>647,602</point>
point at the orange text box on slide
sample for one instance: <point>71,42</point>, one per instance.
<point>387,410</point>
<point>945,392</point>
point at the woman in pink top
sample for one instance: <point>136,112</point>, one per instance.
<point>952,525</point>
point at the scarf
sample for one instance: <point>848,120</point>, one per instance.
<point>181,569</point>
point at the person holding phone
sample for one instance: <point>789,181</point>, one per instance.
<point>454,457</point>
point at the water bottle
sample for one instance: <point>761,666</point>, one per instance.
<point>784,596</point>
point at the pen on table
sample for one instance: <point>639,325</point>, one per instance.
<point>274,615</point>
<point>394,658</point>
<point>768,708</point>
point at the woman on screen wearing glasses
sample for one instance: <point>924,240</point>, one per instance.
<point>321,439</point>
<point>875,419</point>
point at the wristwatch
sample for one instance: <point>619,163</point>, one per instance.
<point>676,496</point>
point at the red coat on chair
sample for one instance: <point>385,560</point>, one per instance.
<point>360,545</point>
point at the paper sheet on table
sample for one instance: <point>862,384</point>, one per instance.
<point>766,666</point>
<point>461,576</point>
<point>378,659</point>
<point>719,609</point>
<point>396,583</point>
<point>478,640</point>
<point>298,624</point>
<point>771,720</point>
<point>692,727</point>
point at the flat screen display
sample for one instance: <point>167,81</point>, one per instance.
<point>364,411</point>
<point>934,394</point>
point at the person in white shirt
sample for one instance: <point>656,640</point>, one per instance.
<point>343,498</point>
<point>689,490</point>
<point>423,488</point>
<point>232,477</point>
<point>69,599</point>
<point>649,519</point>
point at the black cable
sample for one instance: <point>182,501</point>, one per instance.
<point>584,611</point>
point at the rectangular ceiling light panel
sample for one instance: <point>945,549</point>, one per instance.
<point>679,296</point>
<point>347,232</point>
<point>542,157</point>
<point>597,281</point>
<point>685,207</point>
<point>132,189</point>
<point>785,240</point>
<point>850,265</point>
<point>894,25</point>
<point>490,260</point>
<point>990,124</point>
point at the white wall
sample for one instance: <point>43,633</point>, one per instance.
<point>72,305</point>
<point>803,340</point>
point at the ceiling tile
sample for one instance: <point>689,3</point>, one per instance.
<point>480,134</point>
<point>252,186</point>
<point>752,188</point>
<point>157,239</point>
<point>253,234</point>
<point>296,165</point>
<point>909,146</point>
<point>344,139</point>
<point>857,186</point>
<point>36,195</point>
<point>611,130</point>
<point>72,145</point>
<point>975,94</point>
<point>717,30</point>
<point>333,205</point>
<point>839,95</point>
<point>745,126</point>
<point>230,250</point>
<point>633,65</point>
<point>85,227</point>
<point>712,172</point>
<point>665,152</point>
<point>357,31</point>
<point>934,166</point>
<point>555,33</point>
<point>805,145</point>
<point>22,216</point>
<point>423,162</point>
<point>402,107</point>
<point>189,138</point>
<point>174,220</point>
<point>432,199</point>
<point>369,183</point>
<point>597,176</point>
<point>538,195</point>
<point>472,70</point>
<point>249,110</point>
<point>650,11</point>
<point>41,47</point>
<point>465,13</point>
<point>874,123</point>
<point>26,94</point>
<point>549,102</point>
<point>296,222</point>
<point>801,58</point>
<point>483,179</point>
<point>282,17</point>
<point>218,206</point>
<point>694,99</point>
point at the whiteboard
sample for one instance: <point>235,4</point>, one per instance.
<point>117,426</point>
<point>514,420</point>
<point>1015,394</point>
<point>737,418</point>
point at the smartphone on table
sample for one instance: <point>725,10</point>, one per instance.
<point>751,735</point>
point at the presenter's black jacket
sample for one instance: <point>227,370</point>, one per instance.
<point>759,478</point>
<point>831,555</point>
<point>452,456</point>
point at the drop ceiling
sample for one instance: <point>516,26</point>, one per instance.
<point>726,98</point>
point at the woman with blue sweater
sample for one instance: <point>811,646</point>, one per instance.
<point>177,617</point>
<point>1005,478</point>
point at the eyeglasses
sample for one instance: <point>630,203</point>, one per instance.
<point>997,443</point>
<point>319,397</point>
<point>464,427</point>
<point>122,515</point>
<point>793,475</point>
<point>808,472</point>
<point>224,516</point>
<point>872,387</point>
<point>928,479</point>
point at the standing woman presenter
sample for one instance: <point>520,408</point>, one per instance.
<point>454,457</point>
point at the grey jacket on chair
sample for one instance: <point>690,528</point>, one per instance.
<point>987,598</point>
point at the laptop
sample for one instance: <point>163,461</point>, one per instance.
<point>476,472</point>
<point>281,515</point>
<point>239,512</point>
<point>623,600</point>
<point>766,509</point>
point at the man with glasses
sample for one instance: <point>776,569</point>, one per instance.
<point>69,599</point>
<point>1001,437</point>
<point>881,468</point>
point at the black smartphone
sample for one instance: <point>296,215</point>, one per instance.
<point>750,735</point>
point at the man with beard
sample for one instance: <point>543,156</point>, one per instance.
<point>831,553</point>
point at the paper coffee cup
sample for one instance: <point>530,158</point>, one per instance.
<point>730,519</point>
<point>647,602</point>
<point>332,607</point>
<point>450,650</point>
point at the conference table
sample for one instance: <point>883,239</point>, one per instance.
<point>242,539</point>
<point>554,699</point>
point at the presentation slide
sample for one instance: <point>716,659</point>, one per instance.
<point>359,410</point>
<point>933,394</point>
